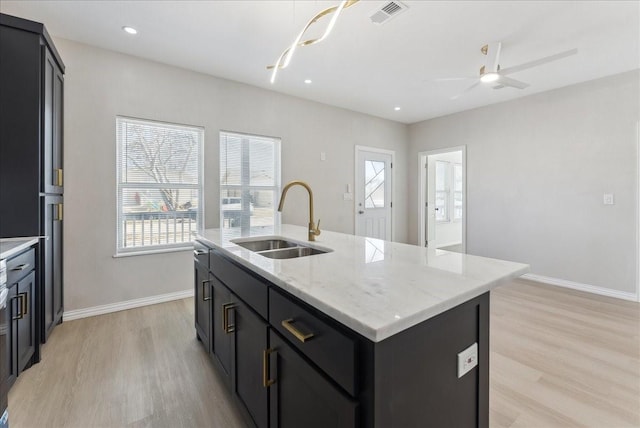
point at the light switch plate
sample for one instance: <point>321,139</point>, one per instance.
<point>467,360</point>
<point>608,199</point>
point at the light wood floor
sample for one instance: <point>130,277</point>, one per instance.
<point>558,358</point>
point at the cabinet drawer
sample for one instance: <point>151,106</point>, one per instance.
<point>201,253</point>
<point>330,349</point>
<point>249,288</point>
<point>19,266</point>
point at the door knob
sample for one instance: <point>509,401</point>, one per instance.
<point>360,212</point>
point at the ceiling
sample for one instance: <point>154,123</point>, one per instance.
<point>361,66</point>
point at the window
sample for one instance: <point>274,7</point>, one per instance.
<point>442,191</point>
<point>457,191</point>
<point>447,173</point>
<point>249,183</point>
<point>159,184</point>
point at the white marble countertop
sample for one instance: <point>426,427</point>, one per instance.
<point>377,288</point>
<point>11,246</point>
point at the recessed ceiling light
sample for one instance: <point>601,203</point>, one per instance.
<point>396,108</point>
<point>130,30</point>
<point>307,81</point>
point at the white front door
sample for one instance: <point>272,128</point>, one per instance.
<point>373,201</point>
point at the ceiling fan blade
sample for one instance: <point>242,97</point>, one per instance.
<point>451,79</point>
<point>538,62</point>
<point>507,81</point>
<point>455,97</point>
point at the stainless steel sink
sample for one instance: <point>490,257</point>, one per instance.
<point>267,244</point>
<point>277,248</point>
<point>291,253</point>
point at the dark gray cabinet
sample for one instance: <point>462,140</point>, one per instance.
<point>222,328</point>
<point>202,301</point>
<point>249,384</point>
<point>31,154</point>
<point>301,396</point>
<point>289,365</point>
<point>22,340</point>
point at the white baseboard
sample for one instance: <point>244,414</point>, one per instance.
<point>625,295</point>
<point>128,304</point>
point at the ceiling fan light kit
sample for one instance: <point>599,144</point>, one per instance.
<point>285,58</point>
<point>491,73</point>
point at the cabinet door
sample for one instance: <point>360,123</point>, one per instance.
<point>51,265</point>
<point>13,311</point>
<point>251,335</point>
<point>222,328</point>
<point>202,300</point>
<point>25,320</point>
<point>301,396</point>
<point>52,125</point>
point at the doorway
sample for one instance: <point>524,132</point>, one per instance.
<point>374,192</point>
<point>442,199</point>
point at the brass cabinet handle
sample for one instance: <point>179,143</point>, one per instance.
<point>297,333</point>
<point>59,177</point>
<point>21,314</point>
<point>25,304</point>
<point>21,267</point>
<point>266,382</point>
<point>203,294</point>
<point>59,206</point>
<point>225,318</point>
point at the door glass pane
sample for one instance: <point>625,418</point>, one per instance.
<point>374,184</point>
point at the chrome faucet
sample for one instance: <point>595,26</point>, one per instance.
<point>313,229</point>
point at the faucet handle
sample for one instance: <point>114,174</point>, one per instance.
<point>317,229</point>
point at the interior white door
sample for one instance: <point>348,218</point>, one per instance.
<point>373,194</point>
<point>430,209</point>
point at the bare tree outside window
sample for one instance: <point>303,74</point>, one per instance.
<point>159,183</point>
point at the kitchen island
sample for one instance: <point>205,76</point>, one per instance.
<point>370,333</point>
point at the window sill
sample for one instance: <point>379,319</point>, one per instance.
<point>151,252</point>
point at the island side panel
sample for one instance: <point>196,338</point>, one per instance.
<point>416,371</point>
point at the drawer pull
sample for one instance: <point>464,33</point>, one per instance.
<point>225,318</point>
<point>297,333</point>
<point>59,177</point>
<point>21,314</point>
<point>23,266</point>
<point>204,298</point>
<point>199,252</point>
<point>25,304</point>
<point>266,382</point>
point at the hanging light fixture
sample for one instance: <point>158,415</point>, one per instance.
<point>285,58</point>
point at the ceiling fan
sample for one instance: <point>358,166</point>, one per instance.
<point>492,74</point>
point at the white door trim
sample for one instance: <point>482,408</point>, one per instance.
<point>638,212</point>
<point>422,191</point>
<point>357,195</point>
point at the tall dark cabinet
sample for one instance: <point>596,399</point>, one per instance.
<point>31,153</point>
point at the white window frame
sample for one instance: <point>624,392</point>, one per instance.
<point>121,250</point>
<point>245,188</point>
<point>446,191</point>
<point>454,191</point>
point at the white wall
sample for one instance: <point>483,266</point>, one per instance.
<point>101,84</point>
<point>537,169</point>
<point>448,232</point>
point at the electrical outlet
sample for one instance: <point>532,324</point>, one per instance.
<point>348,196</point>
<point>323,156</point>
<point>608,199</point>
<point>467,359</point>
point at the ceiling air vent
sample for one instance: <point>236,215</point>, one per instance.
<point>386,12</point>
